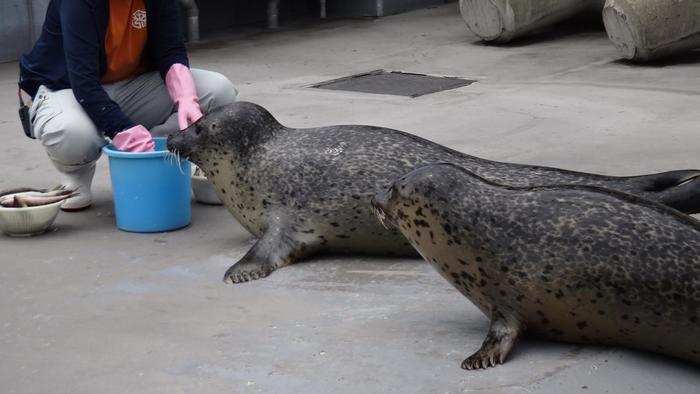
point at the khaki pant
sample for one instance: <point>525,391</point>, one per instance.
<point>70,137</point>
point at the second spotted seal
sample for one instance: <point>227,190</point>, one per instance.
<point>570,263</point>
<point>307,191</point>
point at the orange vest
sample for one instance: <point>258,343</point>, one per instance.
<point>125,40</point>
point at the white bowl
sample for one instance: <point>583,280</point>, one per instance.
<point>25,222</point>
<point>204,191</point>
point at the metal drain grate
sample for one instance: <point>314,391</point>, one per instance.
<point>395,83</point>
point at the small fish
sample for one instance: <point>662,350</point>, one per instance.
<point>21,190</point>
<point>27,197</point>
<point>19,201</point>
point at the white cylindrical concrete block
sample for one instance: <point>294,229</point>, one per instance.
<point>504,20</point>
<point>649,29</point>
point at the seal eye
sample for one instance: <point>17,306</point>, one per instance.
<point>393,192</point>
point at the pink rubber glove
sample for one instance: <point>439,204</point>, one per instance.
<point>184,94</point>
<point>135,139</point>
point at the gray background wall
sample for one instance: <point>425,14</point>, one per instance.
<point>20,25</point>
<point>359,8</point>
<point>218,15</point>
<point>21,20</point>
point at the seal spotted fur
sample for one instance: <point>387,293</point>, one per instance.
<point>307,191</point>
<point>570,263</point>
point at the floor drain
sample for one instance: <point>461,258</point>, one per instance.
<point>395,83</point>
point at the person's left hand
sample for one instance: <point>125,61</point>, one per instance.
<point>135,139</point>
<point>184,94</point>
<point>188,112</point>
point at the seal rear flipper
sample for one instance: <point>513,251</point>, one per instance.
<point>685,197</point>
<point>665,180</point>
<point>677,189</point>
<point>500,339</point>
<point>269,253</point>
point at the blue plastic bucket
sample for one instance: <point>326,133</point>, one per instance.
<point>151,191</point>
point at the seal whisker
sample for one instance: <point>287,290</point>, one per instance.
<point>179,164</point>
<point>170,158</point>
<point>173,158</point>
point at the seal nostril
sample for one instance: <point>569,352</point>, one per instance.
<point>378,200</point>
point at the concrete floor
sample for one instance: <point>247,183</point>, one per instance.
<point>87,308</point>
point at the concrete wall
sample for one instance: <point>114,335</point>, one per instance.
<point>20,26</point>
<point>218,15</point>
<point>21,20</point>
<point>359,8</point>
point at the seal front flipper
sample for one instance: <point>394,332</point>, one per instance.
<point>254,265</point>
<point>500,339</point>
<point>272,251</point>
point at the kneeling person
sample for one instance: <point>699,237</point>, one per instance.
<point>114,69</point>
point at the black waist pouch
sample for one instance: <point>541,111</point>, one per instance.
<point>24,116</point>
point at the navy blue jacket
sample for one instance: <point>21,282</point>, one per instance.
<point>71,54</point>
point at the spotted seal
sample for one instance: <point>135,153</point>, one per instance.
<point>307,191</point>
<point>570,263</point>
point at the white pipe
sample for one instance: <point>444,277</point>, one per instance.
<point>380,7</point>
<point>323,9</point>
<point>32,31</point>
<point>273,14</point>
<point>192,13</point>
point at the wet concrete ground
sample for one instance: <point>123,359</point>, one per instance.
<point>87,308</point>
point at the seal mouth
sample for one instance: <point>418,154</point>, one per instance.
<point>178,146</point>
<point>382,218</point>
<point>376,205</point>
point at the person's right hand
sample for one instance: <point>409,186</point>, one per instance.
<point>135,139</point>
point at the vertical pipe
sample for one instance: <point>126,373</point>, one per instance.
<point>323,9</point>
<point>380,7</point>
<point>192,13</point>
<point>273,14</point>
<point>193,28</point>
<point>32,32</point>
